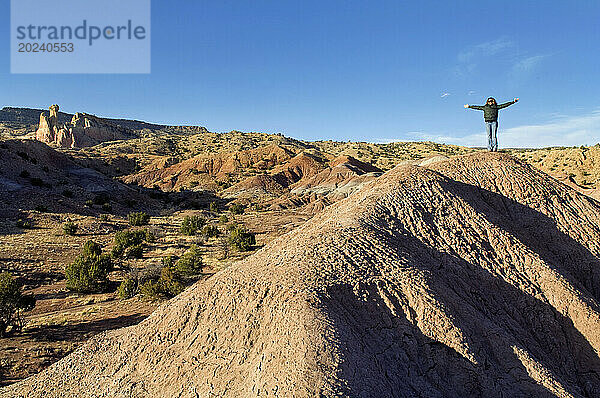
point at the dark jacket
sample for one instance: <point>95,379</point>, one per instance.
<point>490,112</point>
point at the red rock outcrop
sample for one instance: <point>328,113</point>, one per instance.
<point>277,182</point>
<point>216,166</point>
<point>83,130</point>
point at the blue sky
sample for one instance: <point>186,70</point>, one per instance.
<point>351,70</point>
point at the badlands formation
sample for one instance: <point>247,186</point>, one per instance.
<point>477,276</point>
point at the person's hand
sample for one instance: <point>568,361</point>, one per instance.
<point>516,100</point>
<point>466,105</point>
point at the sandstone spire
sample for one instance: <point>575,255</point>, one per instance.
<point>83,130</point>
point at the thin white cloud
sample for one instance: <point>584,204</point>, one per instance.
<point>471,92</point>
<point>529,63</point>
<point>560,131</point>
<point>469,58</point>
<point>444,95</point>
<point>525,67</point>
<point>487,49</point>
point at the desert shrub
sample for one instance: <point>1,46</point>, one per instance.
<point>237,208</point>
<point>149,236</point>
<point>130,237</point>
<point>138,218</point>
<point>214,207</point>
<point>126,239</point>
<point>91,248</point>
<point>10,296</point>
<point>190,263</point>
<point>89,203</point>
<point>191,224</point>
<point>104,217</point>
<point>69,228</point>
<point>24,223</point>
<point>24,174</point>
<point>151,272</point>
<point>166,286</point>
<point>169,281</point>
<point>41,208</point>
<point>135,251</point>
<point>168,261</point>
<point>67,193</point>
<point>210,231</point>
<point>240,239</point>
<point>128,288</point>
<point>224,249</point>
<point>223,219</point>
<point>89,272</point>
<point>151,290</point>
<point>12,303</point>
<point>27,303</point>
<point>107,207</point>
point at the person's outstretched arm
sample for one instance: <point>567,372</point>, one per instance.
<point>509,103</point>
<point>478,107</point>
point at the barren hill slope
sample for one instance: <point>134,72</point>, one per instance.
<point>344,175</point>
<point>201,168</point>
<point>33,174</point>
<point>480,278</point>
<point>268,186</point>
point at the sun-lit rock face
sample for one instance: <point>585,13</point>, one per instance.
<point>83,130</point>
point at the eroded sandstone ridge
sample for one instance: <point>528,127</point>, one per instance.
<point>83,130</point>
<point>471,277</point>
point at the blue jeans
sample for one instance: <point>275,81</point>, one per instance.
<point>492,130</point>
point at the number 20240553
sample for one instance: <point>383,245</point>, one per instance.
<point>46,47</point>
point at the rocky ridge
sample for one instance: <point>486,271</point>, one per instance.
<point>83,130</point>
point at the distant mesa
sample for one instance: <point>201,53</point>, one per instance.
<point>83,130</point>
<point>16,121</point>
